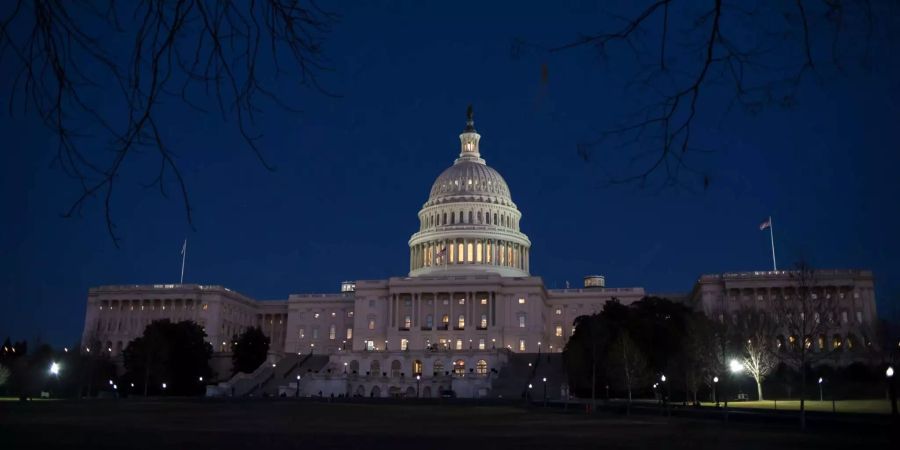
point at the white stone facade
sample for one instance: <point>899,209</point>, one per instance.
<point>468,297</point>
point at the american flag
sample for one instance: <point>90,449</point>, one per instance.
<point>766,224</point>
<point>440,254</point>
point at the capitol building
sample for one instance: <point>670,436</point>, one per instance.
<point>469,317</point>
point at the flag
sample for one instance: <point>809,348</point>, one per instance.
<point>184,247</point>
<point>766,224</point>
<point>441,253</point>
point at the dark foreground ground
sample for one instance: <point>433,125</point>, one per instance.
<point>278,424</point>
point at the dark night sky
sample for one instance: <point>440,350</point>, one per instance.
<point>353,171</point>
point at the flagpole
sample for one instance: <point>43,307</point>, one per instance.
<point>772,239</point>
<point>184,255</point>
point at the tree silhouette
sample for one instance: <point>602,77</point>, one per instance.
<point>105,103</point>
<point>249,350</point>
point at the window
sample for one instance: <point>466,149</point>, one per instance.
<point>844,316</point>
<point>407,322</point>
<point>404,344</point>
<point>438,368</point>
<point>371,303</point>
<point>459,367</point>
<point>521,301</point>
<point>445,321</point>
<point>429,321</point>
<point>350,333</point>
<point>462,301</point>
<point>559,332</point>
<point>302,333</point>
<point>372,323</point>
<point>558,311</point>
<point>349,313</point>
<point>481,367</point>
<point>332,332</point>
<point>483,322</point>
<point>316,315</point>
<point>461,322</point>
<point>484,301</point>
<point>521,320</point>
<point>459,344</point>
<point>469,252</point>
<point>481,344</point>
<point>521,345</point>
<point>370,345</point>
<point>859,316</point>
<point>417,367</point>
<point>315,332</point>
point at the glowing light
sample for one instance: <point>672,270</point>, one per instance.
<point>545,379</point>
<point>164,385</point>
<point>889,372</point>
<point>715,379</point>
<point>662,378</point>
<point>735,366</point>
<point>298,377</point>
<point>530,386</point>
<point>820,380</point>
<point>110,382</point>
<point>54,368</point>
<point>201,378</point>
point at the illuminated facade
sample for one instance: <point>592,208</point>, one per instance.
<point>467,305</point>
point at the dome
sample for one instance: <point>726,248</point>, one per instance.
<point>469,223</point>
<point>468,180</point>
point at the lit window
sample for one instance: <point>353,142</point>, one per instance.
<point>559,332</point>
<point>521,301</point>
<point>205,307</point>
<point>332,314</point>
<point>404,344</point>
<point>349,313</point>
<point>483,323</point>
<point>461,322</point>
<point>459,344</point>
<point>462,301</point>
<point>349,333</point>
<point>371,323</point>
<point>459,367</point>
<point>331,332</point>
<point>558,311</point>
<point>469,253</point>
<point>407,322</point>
<point>302,334</point>
<point>478,252</point>
<point>481,344</point>
<point>521,320</point>
<point>521,345</point>
<point>445,321</point>
<point>481,367</point>
<point>316,315</point>
<point>484,301</point>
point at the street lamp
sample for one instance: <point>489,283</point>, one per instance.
<point>298,386</point>
<point>54,369</point>
<point>493,344</point>
<point>418,378</point>
<point>716,390</point>
<point>201,379</point>
<point>545,391</point>
<point>889,373</point>
<point>385,345</point>
<point>735,366</point>
<point>821,397</point>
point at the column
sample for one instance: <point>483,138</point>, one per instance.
<point>434,317</point>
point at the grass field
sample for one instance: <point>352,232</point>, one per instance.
<point>280,424</point>
<point>846,406</point>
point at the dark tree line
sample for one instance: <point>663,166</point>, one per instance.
<point>623,352</point>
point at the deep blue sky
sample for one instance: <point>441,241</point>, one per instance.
<point>353,171</point>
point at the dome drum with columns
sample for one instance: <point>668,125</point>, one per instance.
<point>469,223</point>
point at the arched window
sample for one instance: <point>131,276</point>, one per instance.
<point>445,321</point>
<point>481,367</point>
<point>407,322</point>
<point>792,342</point>
<point>836,342</point>
<point>483,323</point>
<point>331,332</point>
<point>471,218</point>
<point>779,343</point>
<point>417,367</point>
<point>821,341</point>
<point>460,253</point>
<point>429,321</point>
<point>459,367</point>
<point>478,252</point>
<point>438,368</point>
<point>479,217</point>
<point>469,253</point>
<point>354,367</point>
<point>461,322</point>
<point>375,368</point>
<point>396,367</point>
<point>851,341</point>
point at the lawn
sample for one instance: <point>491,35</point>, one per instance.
<point>881,406</point>
<point>289,423</point>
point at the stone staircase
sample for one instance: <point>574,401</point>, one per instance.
<point>286,370</point>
